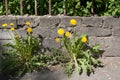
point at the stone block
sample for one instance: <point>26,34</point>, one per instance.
<point>98,40</point>
<point>6,34</point>
<point>113,42</point>
<point>42,31</point>
<point>116,32</point>
<point>110,45</point>
<point>21,32</point>
<point>49,21</point>
<point>21,20</point>
<point>35,21</point>
<point>113,48</point>
<point>8,20</point>
<point>92,21</point>
<point>2,43</point>
<point>65,21</point>
<point>112,52</point>
<point>50,43</point>
<point>54,33</point>
<point>92,31</point>
<point>111,22</point>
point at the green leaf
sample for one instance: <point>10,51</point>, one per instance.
<point>69,69</point>
<point>78,5</point>
<point>95,48</point>
<point>83,35</point>
<point>89,4</point>
<point>60,10</point>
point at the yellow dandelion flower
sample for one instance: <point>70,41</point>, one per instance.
<point>57,39</point>
<point>67,34</point>
<point>84,39</point>
<point>12,24</point>
<point>29,30</point>
<point>27,23</point>
<point>12,28</point>
<point>60,31</point>
<point>4,25</point>
<point>73,22</point>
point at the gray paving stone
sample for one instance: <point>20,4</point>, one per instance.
<point>110,71</point>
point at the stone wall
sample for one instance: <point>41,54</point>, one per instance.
<point>101,30</point>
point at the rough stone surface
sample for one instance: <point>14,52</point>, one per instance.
<point>2,43</point>
<point>49,21</point>
<point>22,20</point>
<point>111,22</point>
<point>6,34</point>
<point>50,43</point>
<point>116,32</point>
<point>42,31</point>
<point>101,30</point>
<point>65,21</point>
<point>98,40</point>
<point>113,46</point>
<point>8,20</point>
<point>92,31</point>
<point>110,71</point>
<point>21,32</point>
<point>92,21</point>
<point>112,52</point>
<point>110,45</point>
